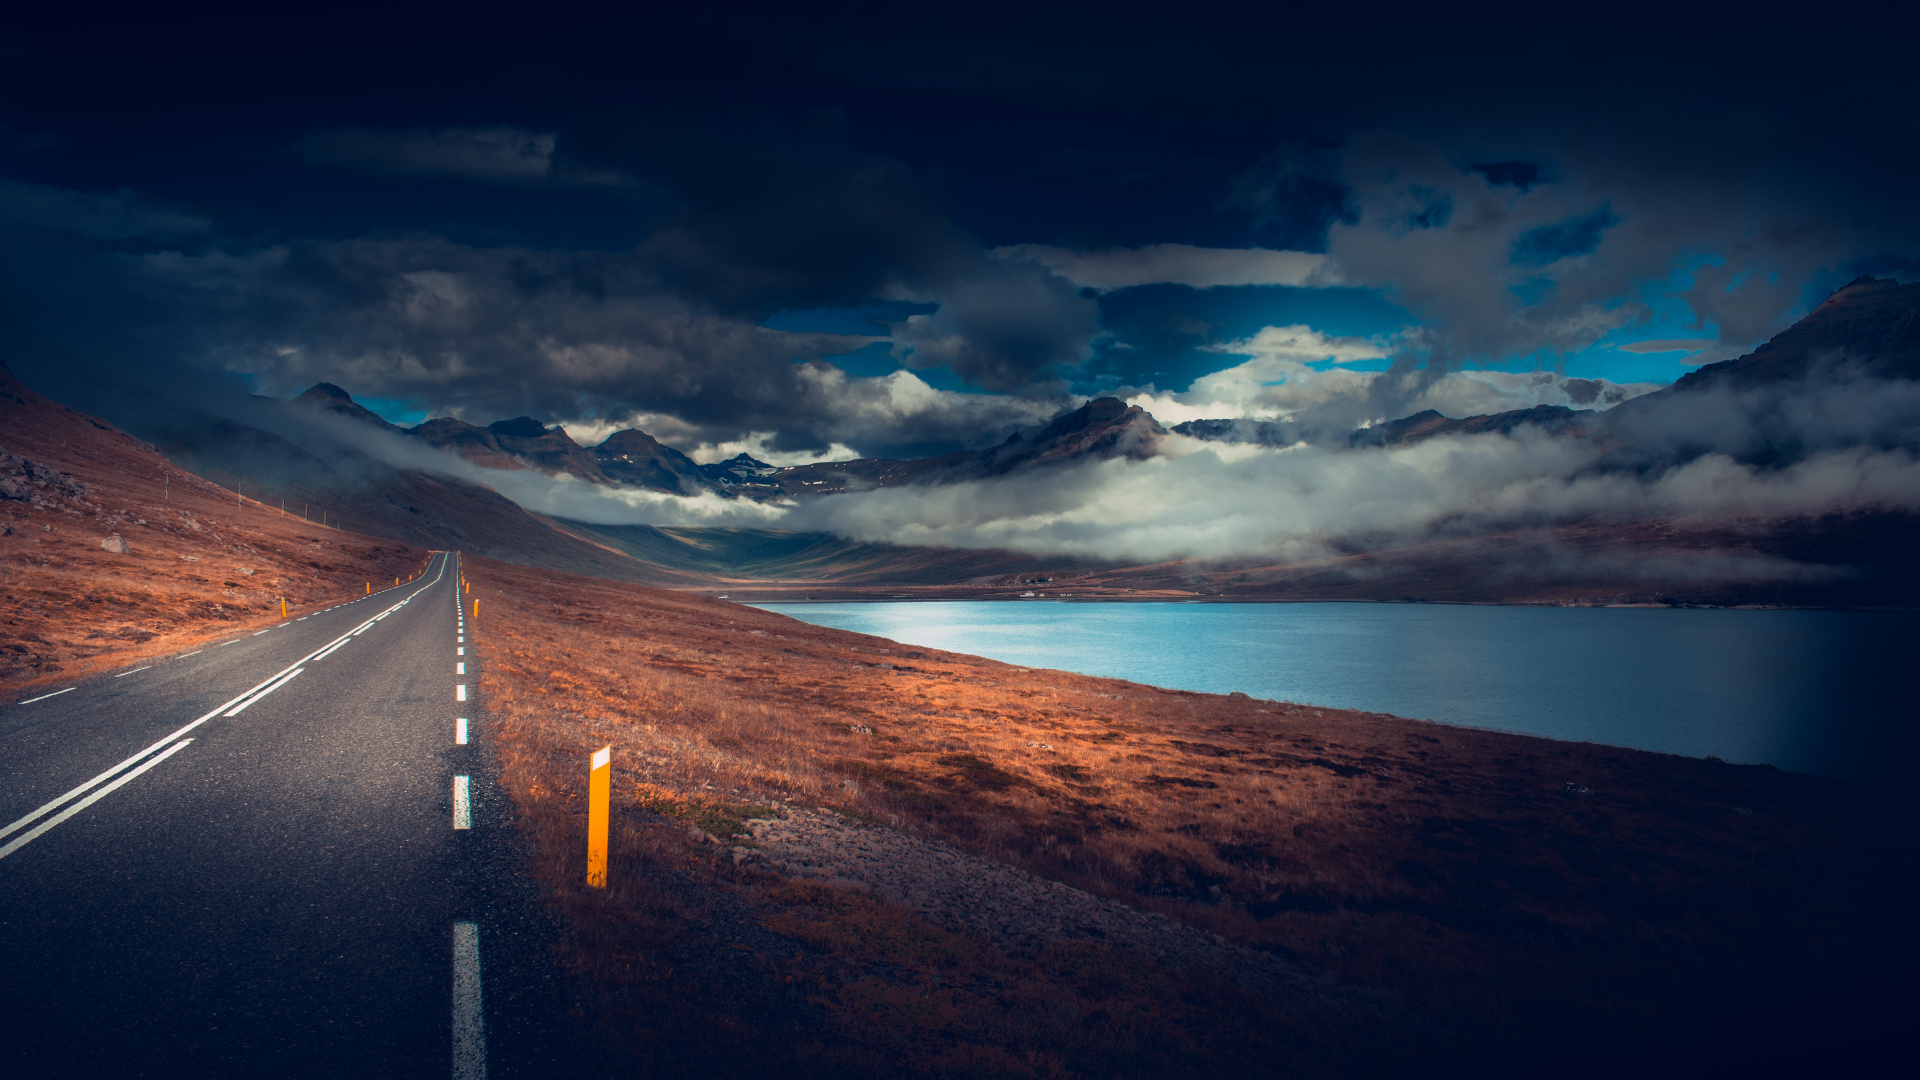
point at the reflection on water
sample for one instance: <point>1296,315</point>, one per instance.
<point>1810,691</point>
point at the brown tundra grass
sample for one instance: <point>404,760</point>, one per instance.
<point>1455,872</point>
<point>198,563</point>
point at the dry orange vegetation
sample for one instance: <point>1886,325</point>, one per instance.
<point>191,563</point>
<point>1511,893</point>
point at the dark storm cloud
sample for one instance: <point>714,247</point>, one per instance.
<point>1520,174</point>
<point>582,337</point>
<point>106,215</point>
<point>760,221</point>
<point>797,217</point>
<point>781,157</point>
<point>493,154</point>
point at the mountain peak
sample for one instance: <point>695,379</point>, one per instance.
<point>333,399</point>
<point>329,391</point>
<point>1101,410</point>
<point>1870,322</point>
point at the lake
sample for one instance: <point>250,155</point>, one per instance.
<point>1809,691</point>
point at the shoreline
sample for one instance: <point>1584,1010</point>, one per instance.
<point>1499,889</point>
<point>1283,660</point>
<point>997,594</point>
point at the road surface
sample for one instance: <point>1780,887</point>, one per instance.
<point>272,857</point>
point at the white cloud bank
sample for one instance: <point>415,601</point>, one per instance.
<point>1296,372</point>
<point>1214,501</point>
<point>1209,500</point>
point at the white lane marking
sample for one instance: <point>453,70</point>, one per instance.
<point>460,650</point>
<point>268,630</point>
<point>334,648</point>
<point>242,707</point>
<point>469,1019</point>
<point>303,618</point>
<point>224,644</point>
<point>283,626</point>
<point>135,671</point>
<point>460,731</point>
<point>184,655</point>
<point>255,692</point>
<point>44,697</point>
<point>462,811</point>
<point>460,669</point>
<point>216,711</point>
<point>460,692</point>
<point>29,838</point>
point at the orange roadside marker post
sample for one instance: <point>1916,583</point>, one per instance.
<point>476,611</point>
<point>283,607</point>
<point>599,793</point>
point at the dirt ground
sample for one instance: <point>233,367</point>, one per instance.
<point>1442,894</point>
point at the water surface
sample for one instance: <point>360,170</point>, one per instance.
<point>1811,691</point>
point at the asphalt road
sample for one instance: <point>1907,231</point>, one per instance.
<point>283,891</point>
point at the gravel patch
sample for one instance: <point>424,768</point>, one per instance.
<point>1004,904</point>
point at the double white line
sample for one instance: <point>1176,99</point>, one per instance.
<point>173,743</point>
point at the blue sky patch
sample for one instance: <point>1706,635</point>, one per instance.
<point>1574,236</point>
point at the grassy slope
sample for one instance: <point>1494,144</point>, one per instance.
<point>1676,902</point>
<point>769,555</point>
<point>200,563</point>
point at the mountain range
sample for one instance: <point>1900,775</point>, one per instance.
<point>1870,325</point>
<point>1866,330</point>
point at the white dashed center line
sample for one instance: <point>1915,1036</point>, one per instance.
<point>135,671</point>
<point>460,669</point>
<point>460,692</point>
<point>460,731</point>
<point>469,1023</point>
<point>462,810</point>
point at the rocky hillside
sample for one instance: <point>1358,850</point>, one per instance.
<point>1871,325</point>
<point>112,553</point>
